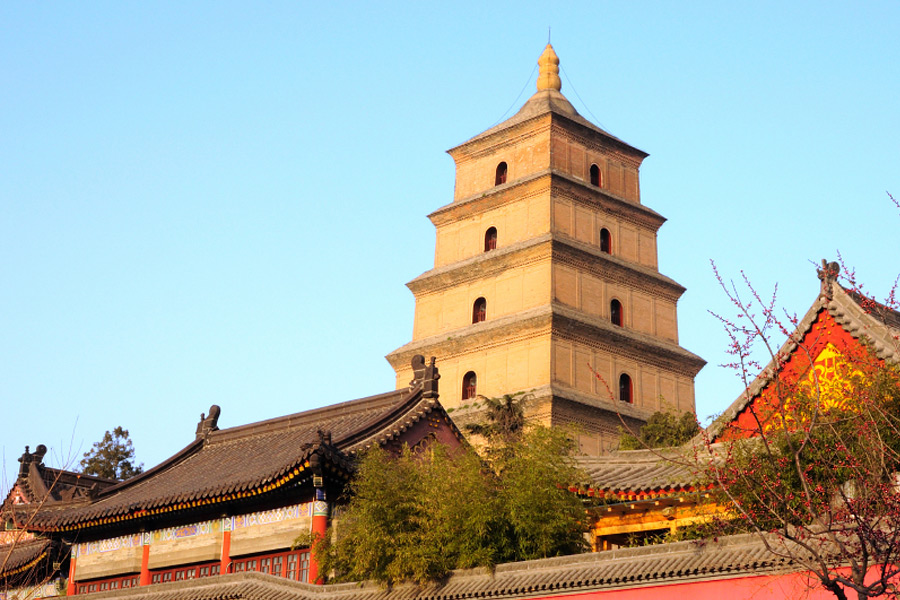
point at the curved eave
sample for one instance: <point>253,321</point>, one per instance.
<point>126,514</point>
<point>336,458</point>
<point>22,557</point>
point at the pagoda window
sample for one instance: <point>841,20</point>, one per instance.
<point>626,392</point>
<point>605,241</point>
<point>596,179</point>
<point>490,239</point>
<point>500,177</point>
<point>479,310</point>
<point>615,312</point>
<point>468,386</point>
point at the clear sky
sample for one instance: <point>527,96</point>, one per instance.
<point>221,202</point>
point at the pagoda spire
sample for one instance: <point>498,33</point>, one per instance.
<point>548,71</point>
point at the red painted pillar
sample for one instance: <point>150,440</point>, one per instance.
<point>145,559</point>
<point>70,584</point>
<point>226,546</point>
<point>319,527</point>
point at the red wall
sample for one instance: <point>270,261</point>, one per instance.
<point>787,586</point>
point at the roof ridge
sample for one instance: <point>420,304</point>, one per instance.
<point>358,405</point>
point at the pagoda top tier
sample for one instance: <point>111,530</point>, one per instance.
<point>547,99</point>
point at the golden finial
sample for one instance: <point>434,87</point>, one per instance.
<point>548,72</point>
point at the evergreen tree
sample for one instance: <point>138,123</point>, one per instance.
<point>112,457</point>
<point>664,429</point>
<point>505,419</point>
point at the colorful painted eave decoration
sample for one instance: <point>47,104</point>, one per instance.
<point>637,495</point>
<point>151,512</point>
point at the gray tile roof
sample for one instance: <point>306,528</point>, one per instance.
<point>14,557</point>
<point>632,567</point>
<point>629,474</point>
<point>238,462</point>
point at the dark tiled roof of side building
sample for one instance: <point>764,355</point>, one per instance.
<point>22,555</point>
<point>255,458</point>
<point>40,484</point>
<point>633,567</point>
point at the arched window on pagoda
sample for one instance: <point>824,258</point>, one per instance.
<point>605,241</point>
<point>615,312</point>
<point>500,177</point>
<point>626,392</point>
<point>596,180</point>
<point>490,239</point>
<point>479,310</point>
<point>468,386</point>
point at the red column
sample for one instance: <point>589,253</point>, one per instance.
<point>319,526</point>
<point>226,546</point>
<point>70,584</point>
<point>145,559</point>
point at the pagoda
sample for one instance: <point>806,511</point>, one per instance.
<point>545,282</point>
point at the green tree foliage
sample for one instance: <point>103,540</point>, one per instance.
<point>418,516</point>
<point>112,457</point>
<point>547,519</point>
<point>505,419</point>
<point>664,429</point>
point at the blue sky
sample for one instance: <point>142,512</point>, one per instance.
<point>221,202</point>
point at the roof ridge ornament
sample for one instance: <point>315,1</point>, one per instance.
<point>548,71</point>
<point>208,424</point>
<point>324,437</point>
<point>28,458</point>
<point>828,274</point>
<point>425,375</point>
